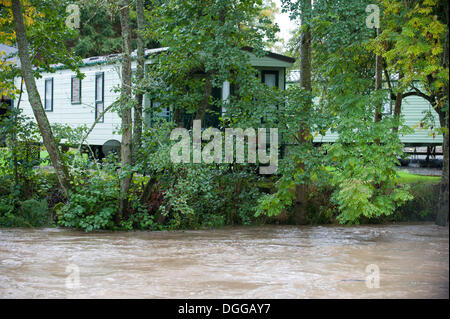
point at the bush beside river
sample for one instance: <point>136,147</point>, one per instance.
<point>165,195</point>
<point>203,197</point>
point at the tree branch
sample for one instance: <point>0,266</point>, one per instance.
<point>93,125</point>
<point>421,94</point>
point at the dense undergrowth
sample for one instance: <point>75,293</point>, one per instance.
<point>200,197</point>
<point>164,195</point>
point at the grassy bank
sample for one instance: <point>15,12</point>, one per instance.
<point>408,178</point>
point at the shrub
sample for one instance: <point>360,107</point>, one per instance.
<point>93,203</point>
<point>29,213</point>
<point>211,196</point>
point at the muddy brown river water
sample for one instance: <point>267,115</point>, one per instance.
<point>402,260</point>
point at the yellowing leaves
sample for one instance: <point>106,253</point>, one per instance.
<point>416,37</point>
<point>6,83</point>
<point>426,10</point>
<point>436,28</point>
<point>30,15</point>
<point>431,3</point>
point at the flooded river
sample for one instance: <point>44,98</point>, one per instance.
<point>388,261</point>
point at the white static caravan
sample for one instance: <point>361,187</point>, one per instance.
<point>68,100</point>
<point>413,109</point>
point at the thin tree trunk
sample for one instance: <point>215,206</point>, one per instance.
<point>301,191</point>
<point>378,83</point>
<point>35,100</point>
<point>137,131</point>
<point>442,216</point>
<point>378,86</point>
<point>398,105</point>
<point>200,115</point>
<point>177,117</point>
<point>127,135</point>
<point>16,174</point>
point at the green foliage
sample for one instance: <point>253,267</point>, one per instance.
<point>7,74</point>
<point>322,208</point>
<point>195,195</point>
<point>365,158</point>
<point>416,32</point>
<point>365,153</point>
<point>93,199</point>
<point>99,33</point>
<point>296,107</point>
<point>29,213</point>
<point>180,196</point>
<point>205,41</point>
<point>423,206</point>
<point>21,137</point>
<point>68,135</point>
<point>24,189</point>
<point>414,43</point>
<point>208,196</point>
<point>47,33</point>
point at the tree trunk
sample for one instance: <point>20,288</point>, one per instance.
<point>378,86</point>
<point>442,216</point>
<point>35,100</point>
<point>301,191</point>
<point>200,115</point>
<point>177,117</point>
<point>398,105</point>
<point>126,127</point>
<point>137,131</point>
<point>378,83</point>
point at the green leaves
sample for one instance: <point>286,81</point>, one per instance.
<point>361,164</point>
<point>412,42</point>
<point>92,205</point>
<point>205,41</point>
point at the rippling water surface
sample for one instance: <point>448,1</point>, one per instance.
<point>238,262</point>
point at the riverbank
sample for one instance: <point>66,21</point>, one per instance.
<point>95,205</point>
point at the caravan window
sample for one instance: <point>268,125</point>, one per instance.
<point>270,78</point>
<point>99,91</point>
<point>99,96</point>
<point>98,110</point>
<point>48,103</point>
<point>75,90</point>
